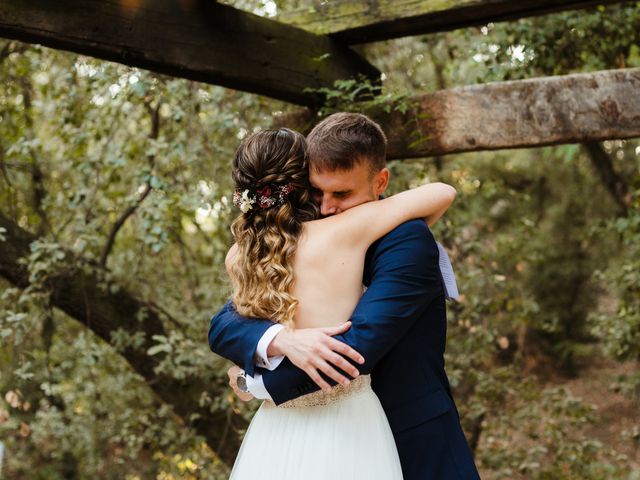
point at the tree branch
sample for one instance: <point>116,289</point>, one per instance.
<point>78,292</point>
<point>611,180</point>
<point>9,48</point>
<point>155,130</point>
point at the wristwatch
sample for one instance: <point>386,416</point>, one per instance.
<point>241,382</point>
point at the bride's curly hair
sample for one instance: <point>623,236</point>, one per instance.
<point>262,270</point>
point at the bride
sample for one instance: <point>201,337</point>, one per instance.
<point>292,266</point>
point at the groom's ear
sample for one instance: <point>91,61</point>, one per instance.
<point>381,181</point>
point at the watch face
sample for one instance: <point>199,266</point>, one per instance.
<point>242,383</point>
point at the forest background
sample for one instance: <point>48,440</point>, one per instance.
<point>122,178</point>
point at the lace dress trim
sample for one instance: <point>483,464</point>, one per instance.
<point>320,398</point>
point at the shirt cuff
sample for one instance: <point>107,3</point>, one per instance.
<point>262,360</point>
<point>256,387</point>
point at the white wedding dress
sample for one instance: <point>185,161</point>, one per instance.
<point>343,434</point>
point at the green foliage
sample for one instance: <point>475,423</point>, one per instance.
<point>538,440</point>
<point>594,39</point>
<point>360,95</point>
<point>618,325</point>
<point>77,152</point>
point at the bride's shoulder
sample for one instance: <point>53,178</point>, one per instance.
<point>338,228</point>
<point>231,255</point>
<point>326,224</point>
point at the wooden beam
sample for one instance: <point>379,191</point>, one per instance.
<point>196,39</point>
<point>357,21</point>
<point>517,114</point>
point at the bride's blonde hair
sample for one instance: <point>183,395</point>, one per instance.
<point>262,270</point>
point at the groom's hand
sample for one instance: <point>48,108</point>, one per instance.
<point>315,350</point>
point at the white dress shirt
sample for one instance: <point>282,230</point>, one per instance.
<point>255,384</point>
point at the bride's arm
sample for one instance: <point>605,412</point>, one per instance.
<point>367,222</point>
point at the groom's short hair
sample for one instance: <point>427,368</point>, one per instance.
<point>343,140</point>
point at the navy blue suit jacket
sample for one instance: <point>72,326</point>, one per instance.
<point>399,327</point>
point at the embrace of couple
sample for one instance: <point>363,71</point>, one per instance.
<point>337,319</point>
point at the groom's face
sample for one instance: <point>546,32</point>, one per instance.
<point>339,190</point>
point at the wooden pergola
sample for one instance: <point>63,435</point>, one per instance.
<point>310,48</point>
<point>215,43</point>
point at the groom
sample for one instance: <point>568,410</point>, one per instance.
<point>397,332</point>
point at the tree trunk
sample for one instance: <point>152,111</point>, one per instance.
<point>611,180</point>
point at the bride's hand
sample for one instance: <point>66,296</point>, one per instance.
<point>315,350</point>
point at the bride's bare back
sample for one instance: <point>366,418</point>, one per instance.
<point>328,275</point>
<point>330,255</point>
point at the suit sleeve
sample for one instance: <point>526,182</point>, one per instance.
<point>235,337</point>
<point>405,279</point>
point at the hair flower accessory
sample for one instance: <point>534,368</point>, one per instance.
<point>264,198</point>
<point>242,200</point>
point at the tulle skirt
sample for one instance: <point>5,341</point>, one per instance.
<point>341,435</point>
